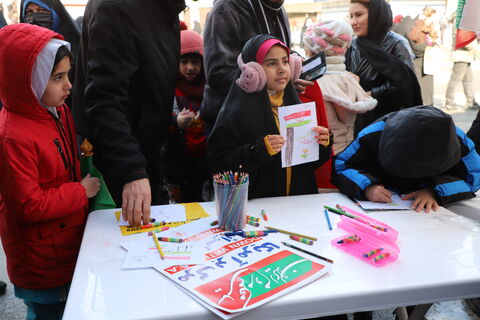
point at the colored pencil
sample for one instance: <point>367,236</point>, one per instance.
<point>160,251</point>
<point>328,220</point>
<point>307,252</point>
<point>292,233</point>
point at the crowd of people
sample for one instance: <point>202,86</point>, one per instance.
<point>165,108</point>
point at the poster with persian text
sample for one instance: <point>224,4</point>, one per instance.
<point>246,273</point>
<point>296,123</point>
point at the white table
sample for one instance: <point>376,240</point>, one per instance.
<point>468,208</point>
<point>439,260</point>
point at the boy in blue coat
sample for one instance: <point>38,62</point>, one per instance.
<point>417,152</point>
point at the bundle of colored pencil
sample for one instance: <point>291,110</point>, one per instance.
<point>231,195</point>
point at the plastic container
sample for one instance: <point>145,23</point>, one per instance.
<point>231,205</point>
<point>374,246</point>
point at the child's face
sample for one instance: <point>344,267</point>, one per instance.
<point>277,68</point>
<point>58,87</point>
<point>190,66</point>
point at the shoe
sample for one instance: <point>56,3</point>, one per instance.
<point>450,109</point>
<point>3,288</point>
<point>474,106</point>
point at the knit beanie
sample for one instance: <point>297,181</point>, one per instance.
<point>333,37</point>
<point>190,42</point>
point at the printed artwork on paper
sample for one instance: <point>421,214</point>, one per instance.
<point>296,123</point>
<point>246,273</point>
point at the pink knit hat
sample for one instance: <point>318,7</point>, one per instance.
<point>190,42</point>
<point>333,37</point>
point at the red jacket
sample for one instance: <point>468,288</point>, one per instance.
<point>314,93</point>
<point>42,204</point>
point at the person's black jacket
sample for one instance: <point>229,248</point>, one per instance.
<point>474,132</point>
<point>127,69</point>
<point>409,150</point>
<point>389,97</point>
<point>237,140</point>
<point>229,25</point>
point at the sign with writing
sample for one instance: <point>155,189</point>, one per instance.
<point>245,274</point>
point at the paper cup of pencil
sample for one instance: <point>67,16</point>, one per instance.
<point>231,196</point>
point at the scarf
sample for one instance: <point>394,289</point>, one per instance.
<point>335,63</point>
<point>399,74</point>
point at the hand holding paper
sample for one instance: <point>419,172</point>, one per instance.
<point>323,135</point>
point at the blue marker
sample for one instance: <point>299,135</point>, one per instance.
<point>328,220</point>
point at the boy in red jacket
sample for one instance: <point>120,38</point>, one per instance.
<point>43,200</point>
<point>187,170</point>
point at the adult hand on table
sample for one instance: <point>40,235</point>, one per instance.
<point>136,200</point>
<point>423,198</point>
<point>378,193</point>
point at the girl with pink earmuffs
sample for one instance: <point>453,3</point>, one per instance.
<point>246,133</point>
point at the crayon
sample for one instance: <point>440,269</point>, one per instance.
<point>159,248</point>
<point>158,230</point>
<point>151,220</point>
<point>372,252</point>
<point>264,215</point>
<point>350,239</point>
<point>253,223</point>
<point>214,223</point>
<point>151,225</point>
<point>381,256</point>
<point>169,239</point>
<point>302,240</point>
<point>251,234</point>
<point>253,219</point>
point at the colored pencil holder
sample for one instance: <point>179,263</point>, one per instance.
<point>231,205</point>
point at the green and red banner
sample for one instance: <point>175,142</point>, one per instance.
<point>245,274</point>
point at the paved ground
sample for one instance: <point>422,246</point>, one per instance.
<point>13,309</point>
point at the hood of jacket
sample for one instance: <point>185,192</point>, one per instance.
<point>20,45</point>
<point>418,142</point>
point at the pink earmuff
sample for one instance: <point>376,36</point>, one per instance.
<point>253,77</point>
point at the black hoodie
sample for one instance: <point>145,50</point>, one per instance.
<point>238,140</point>
<point>409,150</point>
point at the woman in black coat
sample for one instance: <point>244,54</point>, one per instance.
<point>382,59</point>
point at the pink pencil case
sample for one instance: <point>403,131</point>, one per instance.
<point>366,241</point>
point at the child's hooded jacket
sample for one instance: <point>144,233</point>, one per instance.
<point>238,139</point>
<point>42,204</point>
<point>409,150</point>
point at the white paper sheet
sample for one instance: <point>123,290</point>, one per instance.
<point>168,213</point>
<point>143,253</point>
<point>396,204</point>
<point>296,123</point>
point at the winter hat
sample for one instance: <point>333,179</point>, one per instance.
<point>253,77</point>
<point>333,37</point>
<point>419,142</point>
<point>190,42</point>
